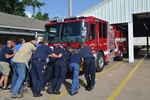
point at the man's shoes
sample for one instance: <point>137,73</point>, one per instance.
<point>89,88</point>
<point>23,91</point>
<point>5,89</point>
<point>78,87</point>
<point>37,95</point>
<point>17,96</point>
<point>56,92</point>
<point>49,90</point>
<point>74,93</point>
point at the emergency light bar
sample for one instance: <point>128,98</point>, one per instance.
<point>62,19</point>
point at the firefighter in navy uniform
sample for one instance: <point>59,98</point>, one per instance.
<point>49,72</point>
<point>37,70</point>
<point>60,70</point>
<point>88,66</point>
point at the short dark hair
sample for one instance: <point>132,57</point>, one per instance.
<point>40,43</point>
<point>81,44</point>
<point>69,47</point>
<point>20,40</point>
<point>76,50</point>
<point>45,41</point>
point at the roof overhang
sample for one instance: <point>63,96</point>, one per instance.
<point>12,30</point>
<point>22,28</point>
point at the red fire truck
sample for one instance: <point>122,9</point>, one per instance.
<point>105,41</point>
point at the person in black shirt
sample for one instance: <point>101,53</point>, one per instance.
<point>5,55</point>
<point>74,66</point>
<point>88,66</point>
<point>49,72</point>
<point>60,70</point>
<point>37,70</point>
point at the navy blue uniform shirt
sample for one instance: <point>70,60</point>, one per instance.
<point>75,58</point>
<point>42,52</point>
<point>5,50</point>
<point>86,52</point>
<point>65,53</point>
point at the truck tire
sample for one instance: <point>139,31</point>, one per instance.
<point>100,62</point>
<point>120,56</point>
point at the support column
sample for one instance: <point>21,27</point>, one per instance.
<point>130,42</point>
<point>147,38</point>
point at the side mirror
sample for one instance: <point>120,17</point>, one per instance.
<point>83,31</point>
<point>83,34</point>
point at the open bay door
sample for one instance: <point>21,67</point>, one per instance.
<point>111,42</point>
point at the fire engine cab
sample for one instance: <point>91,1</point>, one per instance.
<point>105,41</point>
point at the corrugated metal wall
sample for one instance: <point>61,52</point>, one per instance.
<point>118,11</point>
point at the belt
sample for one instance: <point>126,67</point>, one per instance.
<point>61,60</point>
<point>39,59</point>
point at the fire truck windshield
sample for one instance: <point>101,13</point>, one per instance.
<point>72,32</point>
<point>52,32</point>
<point>66,32</point>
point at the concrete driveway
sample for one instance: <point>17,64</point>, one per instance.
<point>118,81</point>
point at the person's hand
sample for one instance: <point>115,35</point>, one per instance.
<point>60,55</point>
<point>50,56</point>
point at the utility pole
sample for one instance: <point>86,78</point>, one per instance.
<point>69,7</point>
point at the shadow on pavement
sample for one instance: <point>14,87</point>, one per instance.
<point>67,86</point>
<point>82,83</point>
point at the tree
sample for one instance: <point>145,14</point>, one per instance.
<point>34,4</point>
<point>15,7</point>
<point>56,17</point>
<point>38,16</point>
<point>41,17</point>
<point>45,17</point>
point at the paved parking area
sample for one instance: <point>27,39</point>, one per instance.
<point>118,81</point>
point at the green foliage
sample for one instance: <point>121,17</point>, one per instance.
<point>17,7</point>
<point>56,17</point>
<point>45,17</point>
<point>12,7</point>
<point>41,17</point>
<point>34,4</point>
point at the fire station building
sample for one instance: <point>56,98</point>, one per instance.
<point>14,27</point>
<point>133,16</point>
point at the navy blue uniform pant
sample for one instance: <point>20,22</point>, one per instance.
<point>48,74</point>
<point>89,70</point>
<point>37,76</point>
<point>60,73</point>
